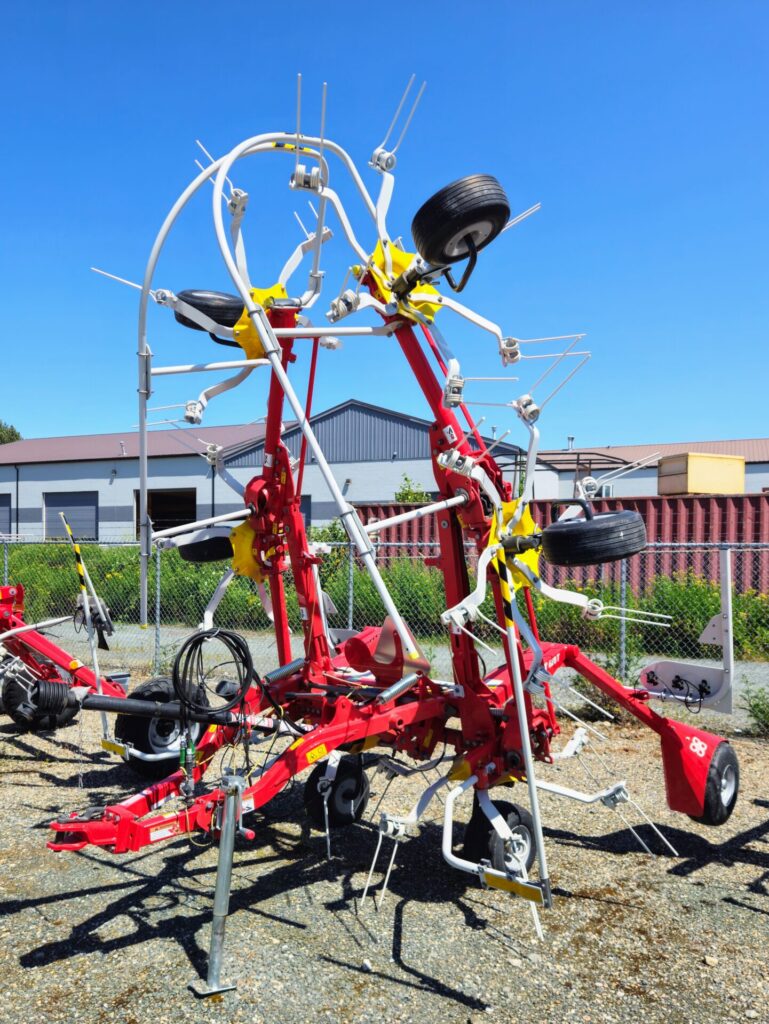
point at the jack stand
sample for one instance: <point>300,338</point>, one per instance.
<point>233,785</point>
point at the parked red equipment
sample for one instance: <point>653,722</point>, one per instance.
<point>32,664</point>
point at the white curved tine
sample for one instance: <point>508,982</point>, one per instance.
<point>521,217</point>
<point>383,143</point>
<point>301,225</point>
<point>120,280</point>
<point>564,382</point>
<point>324,94</point>
<point>210,159</point>
<point>298,119</point>
<point>408,119</point>
<point>550,369</point>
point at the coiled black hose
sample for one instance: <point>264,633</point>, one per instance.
<point>191,678</point>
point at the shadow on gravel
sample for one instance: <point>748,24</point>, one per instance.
<point>161,904</point>
<point>420,876</point>
<point>174,901</point>
<point>695,851</point>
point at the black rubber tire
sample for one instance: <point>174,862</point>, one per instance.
<point>222,308</point>
<point>606,537</point>
<point>482,842</point>
<point>212,549</point>
<point>14,694</point>
<point>349,795</point>
<point>153,735</point>
<point>722,786</point>
<point>475,205</point>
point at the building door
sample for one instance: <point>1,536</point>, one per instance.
<point>168,508</point>
<point>81,509</point>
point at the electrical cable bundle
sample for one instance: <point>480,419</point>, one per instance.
<point>201,688</point>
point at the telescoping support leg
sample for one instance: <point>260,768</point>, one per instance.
<point>233,786</point>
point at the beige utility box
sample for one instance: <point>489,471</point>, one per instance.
<point>700,473</point>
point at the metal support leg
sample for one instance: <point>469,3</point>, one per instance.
<point>233,786</point>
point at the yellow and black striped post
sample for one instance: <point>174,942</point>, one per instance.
<point>83,582</point>
<point>78,560</point>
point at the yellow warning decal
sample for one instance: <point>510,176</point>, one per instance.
<point>317,753</point>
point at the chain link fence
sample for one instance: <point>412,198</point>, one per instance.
<point>679,580</point>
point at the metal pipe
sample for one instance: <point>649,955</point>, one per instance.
<point>725,558</point>
<point>416,513</point>
<point>398,689</point>
<point>230,364</point>
<point>233,786</point>
<point>35,626</point>
<point>347,514</point>
<point>225,517</point>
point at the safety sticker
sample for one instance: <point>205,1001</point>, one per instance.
<point>164,832</point>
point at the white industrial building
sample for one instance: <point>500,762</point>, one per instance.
<point>94,478</point>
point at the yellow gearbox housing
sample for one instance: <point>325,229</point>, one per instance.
<point>244,562</point>
<point>525,527</point>
<point>244,331</point>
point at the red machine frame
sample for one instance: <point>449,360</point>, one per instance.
<point>45,659</point>
<point>487,744</point>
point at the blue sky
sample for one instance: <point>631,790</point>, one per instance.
<point>641,128</point>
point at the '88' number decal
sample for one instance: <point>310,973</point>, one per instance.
<point>698,746</point>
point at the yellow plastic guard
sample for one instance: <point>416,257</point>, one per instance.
<point>244,331</point>
<point>460,769</point>
<point>244,562</point>
<point>525,890</point>
<point>525,527</point>
<point>400,260</point>
<point>113,747</point>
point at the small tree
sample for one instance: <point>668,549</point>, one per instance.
<point>8,433</point>
<point>411,491</point>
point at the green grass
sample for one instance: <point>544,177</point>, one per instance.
<point>48,574</point>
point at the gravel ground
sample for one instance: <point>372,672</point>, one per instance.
<point>95,938</point>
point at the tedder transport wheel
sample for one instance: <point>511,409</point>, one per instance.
<point>154,735</point>
<point>721,788</point>
<point>483,843</point>
<point>222,308</point>
<point>474,206</point>
<point>607,537</point>
<point>14,696</point>
<point>216,547</point>
<point>348,799</point>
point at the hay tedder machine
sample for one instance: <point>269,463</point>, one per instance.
<point>364,699</point>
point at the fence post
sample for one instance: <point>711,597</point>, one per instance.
<point>622,623</point>
<point>157,611</point>
<point>5,563</point>
<point>350,567</point>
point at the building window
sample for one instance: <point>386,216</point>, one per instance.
<point>168,508</point>
<point>605,491</point>
<point>81,509</point>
